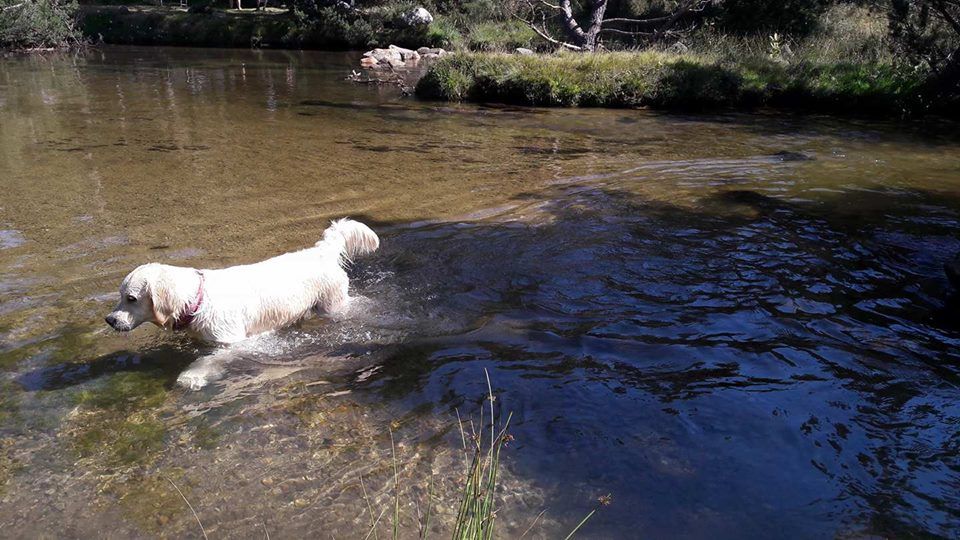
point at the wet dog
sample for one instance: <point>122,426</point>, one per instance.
<point>233,304</point>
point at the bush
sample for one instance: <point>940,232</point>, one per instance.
<point>28,24</point>
<point>921,34</point>
<point>792,17</point>
<point>334,27</point>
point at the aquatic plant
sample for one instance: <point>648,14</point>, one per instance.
<point>477,510</point>
<point>476,517</point>
<point>118,420</point>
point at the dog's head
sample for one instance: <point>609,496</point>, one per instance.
<point>148,294</point>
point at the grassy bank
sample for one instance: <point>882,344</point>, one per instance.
<point>661,79</point>
<point>849,63</point>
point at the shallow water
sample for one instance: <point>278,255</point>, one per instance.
<point>736,325</point>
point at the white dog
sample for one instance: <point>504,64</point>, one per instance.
<point>232,304</point>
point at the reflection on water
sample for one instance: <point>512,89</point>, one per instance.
<point>736,325</point>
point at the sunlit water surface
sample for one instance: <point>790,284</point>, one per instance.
<point>733,324</point>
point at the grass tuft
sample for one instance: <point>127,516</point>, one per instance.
<point>476,516</point>
<point>477,510</point>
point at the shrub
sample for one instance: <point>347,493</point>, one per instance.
<point>319,24</point>
<point>792,17</point>
<point>924,35</point>
<point>38,24</point>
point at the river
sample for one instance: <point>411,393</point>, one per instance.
<point>737,325</point>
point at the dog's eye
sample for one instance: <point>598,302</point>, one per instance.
<point>131,298</point>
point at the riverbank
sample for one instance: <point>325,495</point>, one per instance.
<point>666,80</point>
<point>842,69</point>
<point>270,28</point>
<point>149,25</point>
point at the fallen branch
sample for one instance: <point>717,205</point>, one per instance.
<point>544,35</point>
<point>627,33</point>
<point>396,79</point>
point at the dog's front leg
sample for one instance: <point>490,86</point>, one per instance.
<point>204,370</point>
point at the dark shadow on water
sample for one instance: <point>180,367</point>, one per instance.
<point>757,355</point>
<point>166,360</point>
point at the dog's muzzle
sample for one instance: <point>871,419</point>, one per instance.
<point>116,325</point>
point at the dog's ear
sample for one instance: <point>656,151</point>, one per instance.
<point>166,304</point>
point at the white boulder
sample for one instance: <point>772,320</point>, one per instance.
<point>417,17</point>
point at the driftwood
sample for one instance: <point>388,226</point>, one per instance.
<point>394,79</point>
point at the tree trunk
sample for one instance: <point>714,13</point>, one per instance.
<point>596,23</point>
<point>585,39</point>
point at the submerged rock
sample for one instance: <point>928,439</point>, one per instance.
<point>952,269</point>
<point>785,155</point>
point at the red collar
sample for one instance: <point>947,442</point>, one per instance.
<point>183,321</point>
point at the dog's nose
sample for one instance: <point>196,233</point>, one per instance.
<point>111,320</point>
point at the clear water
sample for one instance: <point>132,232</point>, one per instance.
<point>736,325</point>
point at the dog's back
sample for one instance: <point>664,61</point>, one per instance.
<point>277,292</point>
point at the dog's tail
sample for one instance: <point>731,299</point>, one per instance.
<point>353,237</point>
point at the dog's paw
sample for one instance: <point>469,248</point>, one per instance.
<point>202,372</point>
<point>192,380</point>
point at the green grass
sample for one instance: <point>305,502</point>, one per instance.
<point>443,32</point>
<point>667,80</point>
<point>500,36</point>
